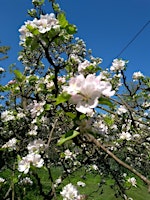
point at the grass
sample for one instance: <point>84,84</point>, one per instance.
<point>91,180</point>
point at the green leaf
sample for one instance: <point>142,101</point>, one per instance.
<point>68,136</point>
<point>71,29</point>
<point>47,106</point>
<point>71,115</point>
<point>19,76</point>
<point>34,45</point>
<point>28,41</point>
<point>62,20</point>
<point>62,98</point>
<point>105,101</point>
<point>109,120</point>
<point>15,180</point>
<point>82,116</point>
<point>56,7</point>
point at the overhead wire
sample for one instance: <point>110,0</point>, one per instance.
<point>132,40</point>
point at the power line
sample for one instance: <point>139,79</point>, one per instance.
<point>138,33</point>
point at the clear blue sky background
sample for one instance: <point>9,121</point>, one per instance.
<point>106,26</point>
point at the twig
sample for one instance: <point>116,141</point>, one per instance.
<point>92,139</point>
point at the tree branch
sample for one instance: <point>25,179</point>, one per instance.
<point>92,139</point>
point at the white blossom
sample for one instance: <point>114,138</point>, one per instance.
<point>117,65</point>
<point>11,144</point>
<point>132,180</point>
<point>35,146</point>
<point>121,110</point>
<point>1,70</point>
<point>36,108</point>
<point>57,182</point>
<point>31,158</point>
<point>24,165</point>
<point>2,180</point>
<point>69,192</point>
<point>20,115</point>
<point>69,154</point>
<point>94,167</point>
<point>83,65</point>
<point>43,25</point>
<point>80,183</point>
<point>26,181</point>
<point>125,136</point>
<point>7,116</point>
<point>137,76</point>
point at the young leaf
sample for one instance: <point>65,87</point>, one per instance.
<point>62,20</point>
<point>19,76</point>
<point>71,29</point>
<point>68,136</point>
<point>62,98</point>
<point>105,101</point>
<point>71,115</point>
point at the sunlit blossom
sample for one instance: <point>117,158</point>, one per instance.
<point>117,65</point>
<point>31,158</point>
<point>85,92</point>
<point>43,25</point>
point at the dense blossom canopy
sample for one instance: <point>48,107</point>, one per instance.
<point>64,113</point>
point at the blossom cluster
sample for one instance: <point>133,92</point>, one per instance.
<point>85,92</point>
<point>42,25</point>
<point>70,192</point>
<point>11,144</point>
<point>137,75</point>
<point>33,157</point>
<point>118,65</point>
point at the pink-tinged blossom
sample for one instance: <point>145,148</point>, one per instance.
<point>35,146</point>
<point>118,65</point>
<point>85,92</point>
<point>133,182</point>
<point>11,82</point>
<point>36,108</point>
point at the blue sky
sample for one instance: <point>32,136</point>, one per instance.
<point>106,26</point>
